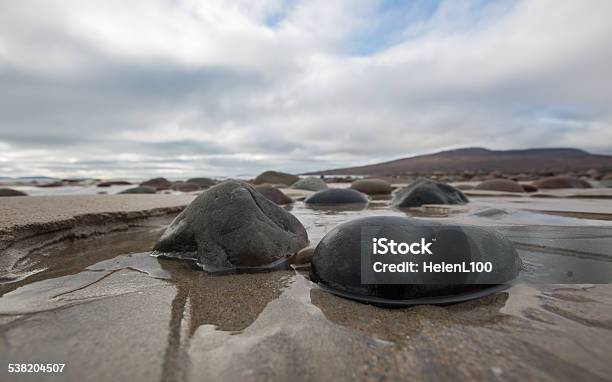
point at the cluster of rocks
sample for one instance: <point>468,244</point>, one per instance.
<point>235,226</point>
<point>154,185</point>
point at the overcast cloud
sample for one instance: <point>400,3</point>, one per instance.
<point>179,87</point>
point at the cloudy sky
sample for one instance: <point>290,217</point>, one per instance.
<point>182,87</point>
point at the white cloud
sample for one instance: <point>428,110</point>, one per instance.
<point>252,85</point>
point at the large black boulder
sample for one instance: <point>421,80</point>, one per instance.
<point>336,196</point>
<point>426,191</point>
<point>337,261</point>
<point>231,226</point>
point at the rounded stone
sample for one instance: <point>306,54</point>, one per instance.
<point>158,183</point>
<point>505,185</point>
<point>202,182</point>
<point>556,182</point>
<point>139,190</point>
<point>372,186</point>
<point>11,192</point>
<point>426,191</point>
<point>310,184</point>
<point>232,227</point>
<point>337,262</point>
<point>276,177</point>
<point>274,194</point>
<point>336,196</point>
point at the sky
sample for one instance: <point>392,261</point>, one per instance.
<point>179,88</point>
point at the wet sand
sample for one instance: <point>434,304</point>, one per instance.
<point>111,312</point>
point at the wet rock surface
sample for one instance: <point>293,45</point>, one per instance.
<point>231,226</point>
<point>337,196</point>
<point>310,184</point>
<point>505,185</point>
<point>276,177</point>
<point>372,186</point>
<point>554,182</point>
<point>274,194</point>
<point>337,260</point>
<point>426,191</point>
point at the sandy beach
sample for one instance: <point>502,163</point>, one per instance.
<point>92,275</point>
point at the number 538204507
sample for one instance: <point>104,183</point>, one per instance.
<point>36,367</point>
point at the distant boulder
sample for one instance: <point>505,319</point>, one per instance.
<point>372,186</point>
<point>310,184</point>
<point>10,192</point>
<point>139,190</point>
<point>505,185</point>
<point>186,187</point>
<point>276,177</point>
<point>202,182</point>
<point>274,194</point>
<point>158,184</point>
<point>426,191</point>
<point>114,183</point>
<point>557,182</point>
<point>337,196</point>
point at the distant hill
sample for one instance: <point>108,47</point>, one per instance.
<point>483,160</point>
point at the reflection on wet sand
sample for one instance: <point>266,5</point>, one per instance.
<point>229,303</point>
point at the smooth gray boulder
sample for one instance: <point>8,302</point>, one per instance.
<point>426,191</point>
<point>372,186</point>
<point>231,226</point>
<point>334,196</point>
<point>310,184</point>
<point>139,190</point>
